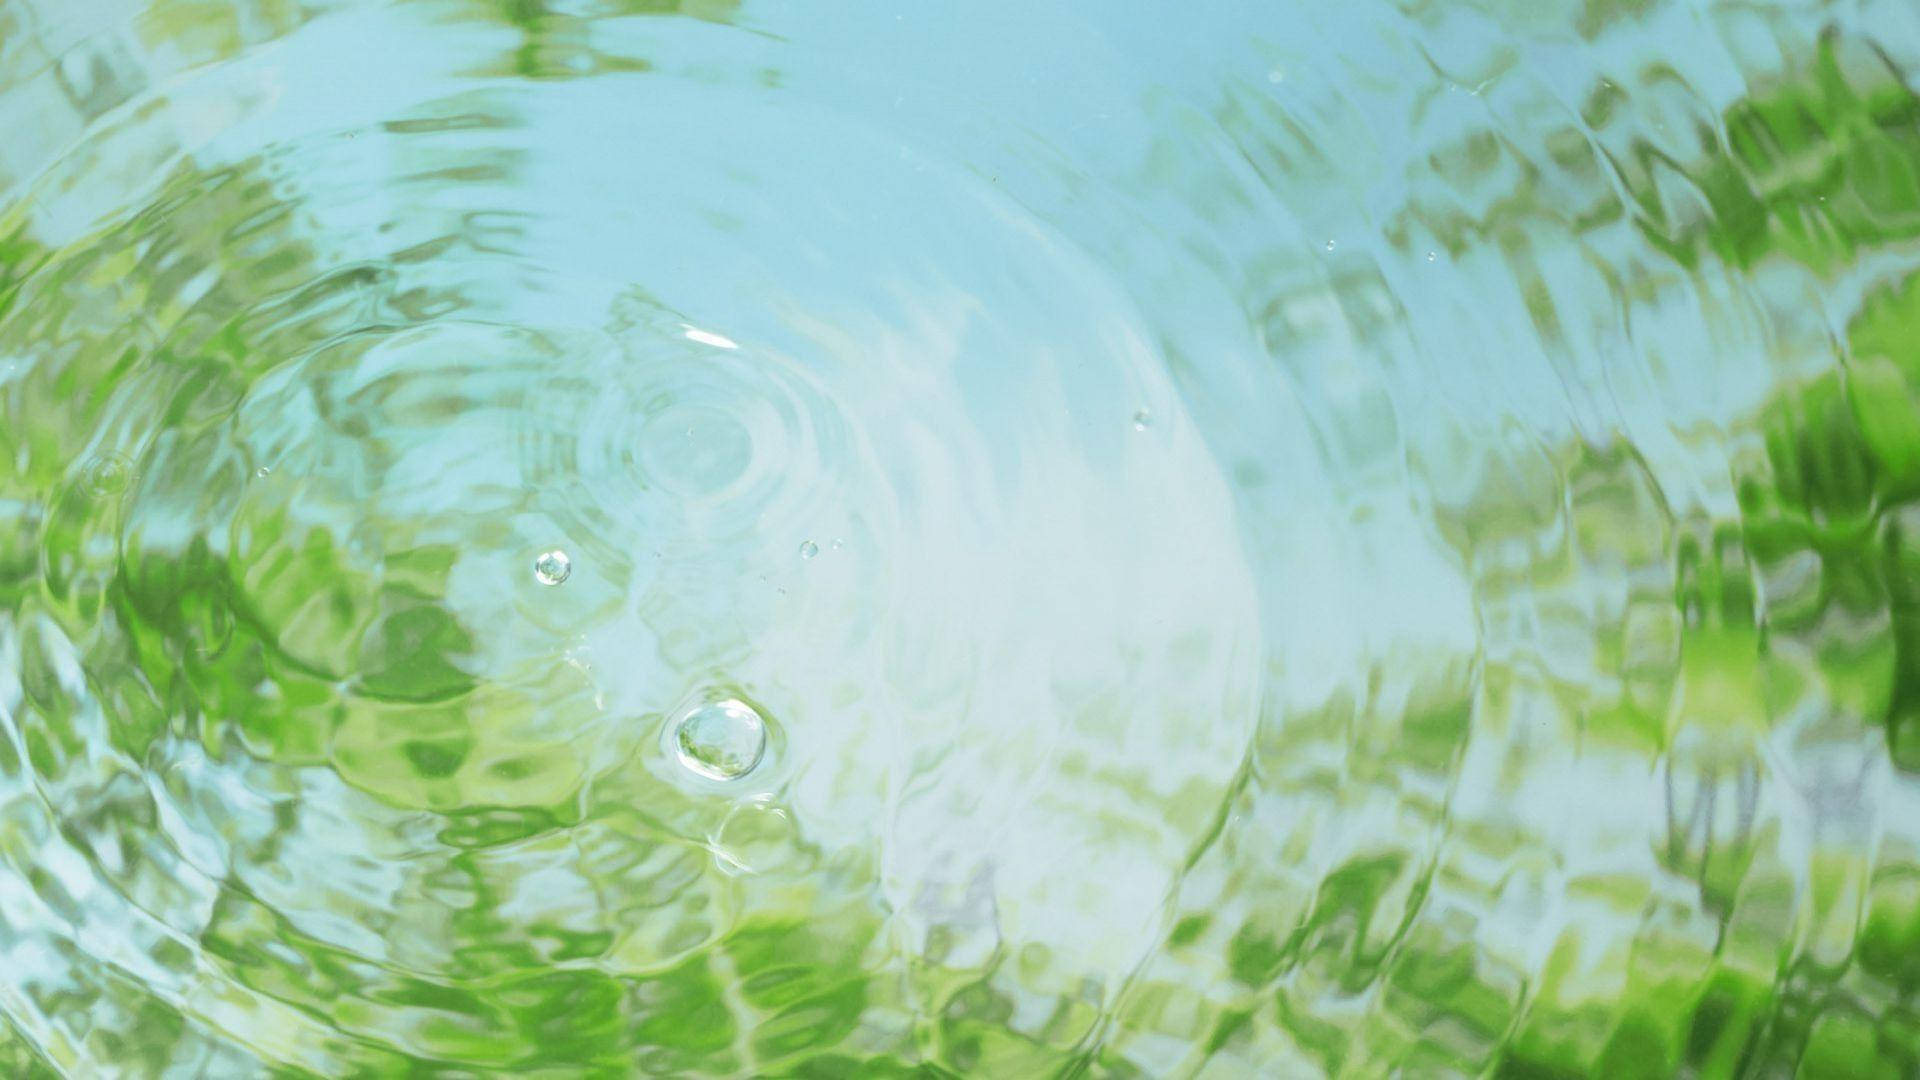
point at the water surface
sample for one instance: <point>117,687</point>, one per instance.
<point>1011,540</point>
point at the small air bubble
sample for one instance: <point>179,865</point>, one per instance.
<point>721,741</point>
<point>1432,255</point>
<point>552,567</point>
<point>808,549</point>
<point>1142,420</point>
<point>838,544</point>
<point>1329,245</point>
<point>262,472</point>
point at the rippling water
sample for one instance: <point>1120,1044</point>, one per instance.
<point>724,538</point>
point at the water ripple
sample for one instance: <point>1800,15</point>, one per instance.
<point>714,538</point>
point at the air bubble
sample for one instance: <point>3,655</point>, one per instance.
<point>722,741</point>
<point>1329,245</point>
<point>552,567</point>
<point>1142,420</point>
<point>808,549</point>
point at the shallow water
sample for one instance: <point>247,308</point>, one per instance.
<point>742,538</point>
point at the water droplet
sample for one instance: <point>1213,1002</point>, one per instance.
<point>109,475</point>
<point>1329,245</point>
<point>552,567</point>
<point>262,472</point>
<point>808,549</point>
<point>721,741</point>
<point>1431,256</point>
<point>1142,420</point>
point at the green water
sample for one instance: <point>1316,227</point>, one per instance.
<point>623,537</point>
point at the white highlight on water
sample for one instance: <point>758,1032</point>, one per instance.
<point>707,337</point>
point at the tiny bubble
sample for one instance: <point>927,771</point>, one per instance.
<point>1142,420</point>
<point>808,549</point>
<point>1329,245</point>
<point>1431,256</point>
<point>552,567</point>
<point>838,544</point>
<point>262,471</point>
<point>1276,76</point>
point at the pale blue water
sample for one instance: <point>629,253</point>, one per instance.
<point>766,539</point>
